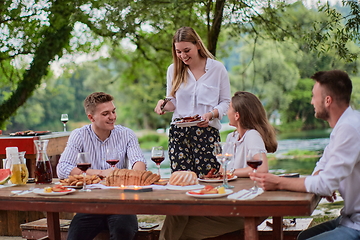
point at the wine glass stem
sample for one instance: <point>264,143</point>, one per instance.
<point>255,184</point>
<point>64,127</point>
<point>158,165</point>
<point>84,182</point>
<point>225,182</point>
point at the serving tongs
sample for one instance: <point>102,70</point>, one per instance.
<point>166,100</point>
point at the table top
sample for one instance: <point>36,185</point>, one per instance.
<point>163,202</point>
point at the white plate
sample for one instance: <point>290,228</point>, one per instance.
<point>216,180</point>
<point>42,192</point>
<point>190,187</point>
<point>227,192</point>
<point>187,124</point>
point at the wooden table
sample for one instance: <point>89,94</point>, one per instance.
<point>56,145</point>
<point>165,202</point>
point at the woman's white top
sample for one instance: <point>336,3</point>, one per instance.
<point>251,140</point>
<point>210,91</point>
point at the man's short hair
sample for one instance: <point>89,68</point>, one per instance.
<point>94,99</point>
<point>337,84</point>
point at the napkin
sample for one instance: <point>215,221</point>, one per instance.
<point>98,186</point>
<point>22,192</point>
<point>245,194</point>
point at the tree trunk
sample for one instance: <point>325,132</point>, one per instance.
<point>215,29</point>
<point>55,39</point>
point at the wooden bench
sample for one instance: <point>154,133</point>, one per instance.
<point>265,231</point>
<point>38,229</point>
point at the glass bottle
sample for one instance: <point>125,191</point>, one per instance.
<point>24,169</point>
<point>19,171</point>
<point>43,171</point>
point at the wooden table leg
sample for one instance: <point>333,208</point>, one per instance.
<point>250,228</point>
<point>53,224</point>
<point>278,228</point>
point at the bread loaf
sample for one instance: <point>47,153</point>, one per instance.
<point>127,177</point>
<point>183,178</point>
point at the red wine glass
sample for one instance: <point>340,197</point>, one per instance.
<point>254,159</point>
<point>64,119</point>
<point>157,156</point>
<point>83,163</point>
<point>112,157</point>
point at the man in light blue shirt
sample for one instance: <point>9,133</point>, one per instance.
<point>339,167</point>
<point>95,139</point>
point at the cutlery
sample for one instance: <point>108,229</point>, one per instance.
<point>17,193</point>
<point>247,194</point>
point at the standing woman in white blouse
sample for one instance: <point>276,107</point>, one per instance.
<point>254,131</point>
<point>196,84</point>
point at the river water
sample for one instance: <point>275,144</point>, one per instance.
<point>280,164</point>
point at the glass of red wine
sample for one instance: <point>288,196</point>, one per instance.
<point>254,159</point>
<point>157,156</point>
<point>64,119</point>
<point>83,163</point>
<point>112,157</point>
<point>224,152</point>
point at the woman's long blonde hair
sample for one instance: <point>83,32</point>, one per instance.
<point>185,34</point>
<point>253,116</point>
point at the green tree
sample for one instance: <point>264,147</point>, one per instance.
<point>45,30</point>
<point>269,71</point>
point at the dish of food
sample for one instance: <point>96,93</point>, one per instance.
<point>188,121</point>
<point>187,124</point>
<point>29,133</point>
<point>189,187</point>
<point>43,192</point>
<point>212,195</point>
<point>215,180</point>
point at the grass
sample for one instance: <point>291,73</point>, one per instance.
<point>151,218</point>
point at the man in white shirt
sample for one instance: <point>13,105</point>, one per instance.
<point>95,139</point>
<point>339,167</point>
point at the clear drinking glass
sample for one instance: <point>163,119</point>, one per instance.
<point>224,152</point>
<point>254,158</point>
<point>83,163</point>
<point>157,156</point>
<point>64,119</point>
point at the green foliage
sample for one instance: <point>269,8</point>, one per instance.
<point>224,134</point>
<point>300,153</point>
<point>150,140</point>
<point>135,73</point>
<point>303,166</point>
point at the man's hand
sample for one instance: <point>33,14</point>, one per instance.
<point>139,166</point>
<point>331,198</point>
<point>266,181</point>
<point>105,173</point>
<point>271,182</point>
